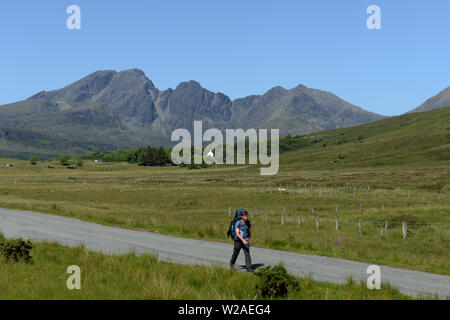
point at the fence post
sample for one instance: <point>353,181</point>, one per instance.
<point>282,216</point>
<point>337,209</point>
<point>299,221</point>
<point>337,224</point>
<point>386,226</point>
<point>360,227</point>
<point>404,229</point>
<point>360,207</point>
<point>317,222</point>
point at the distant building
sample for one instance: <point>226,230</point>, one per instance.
<point>210,155</point>
<point>98,160</point>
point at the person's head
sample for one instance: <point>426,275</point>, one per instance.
<point>244,215</point>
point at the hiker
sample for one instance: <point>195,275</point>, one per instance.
<point>242,240</point>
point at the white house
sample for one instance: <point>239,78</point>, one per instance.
<point>210,155</point>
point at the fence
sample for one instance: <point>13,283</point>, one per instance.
<point>386,225</point>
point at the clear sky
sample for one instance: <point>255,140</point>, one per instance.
<point>238,47</point>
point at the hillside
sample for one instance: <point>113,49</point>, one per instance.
<point>441,100</point>
<point>416,139</point>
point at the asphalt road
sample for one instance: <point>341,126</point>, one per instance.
<point>73,232</point>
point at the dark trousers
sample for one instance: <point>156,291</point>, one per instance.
<point>238,245</point>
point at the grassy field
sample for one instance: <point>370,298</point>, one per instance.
<point>131,277</point>
<point>392,170</point>
<point>174,200</point>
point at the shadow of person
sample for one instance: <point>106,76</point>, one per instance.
<point>254,266</point>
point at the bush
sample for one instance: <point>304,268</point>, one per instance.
<point>33,160</point>
<point>153,157</point>
<point>80,163</point>
<point>64,160</point>
<point>16,250</point>
<point>275,282</point>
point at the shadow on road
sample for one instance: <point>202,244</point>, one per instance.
<point>254,266</point>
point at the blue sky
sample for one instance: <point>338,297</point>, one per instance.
<point>236,47</point>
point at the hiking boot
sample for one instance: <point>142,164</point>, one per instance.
<point>249,270</point>
<point>232,266</point>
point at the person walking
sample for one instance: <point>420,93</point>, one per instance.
<point>242,240</point>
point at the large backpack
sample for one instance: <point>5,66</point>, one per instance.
<point>232,229</point>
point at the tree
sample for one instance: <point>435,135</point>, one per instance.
<point>133,156</point>
<point>151,157</point>
<point>161,157</point>
<point>147,157</point>
<point>80,163</point>
<point>33,160</point>
<point>64,160</point>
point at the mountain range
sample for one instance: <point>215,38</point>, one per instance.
<point>118,110</point>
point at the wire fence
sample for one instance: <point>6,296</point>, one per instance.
<point>281,217</point>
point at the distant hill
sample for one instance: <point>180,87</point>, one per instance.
<point>416,139</point>
<point>117,110</point>
<point>441,100</point>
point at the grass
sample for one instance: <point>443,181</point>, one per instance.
<point>131,277</point>
<point>404,160</point>
<point>173,201</point>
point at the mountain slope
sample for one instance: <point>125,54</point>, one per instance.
<point>300,110</point>
<point>441,100</point>
<point>125,110</point>
<point>416,139</point>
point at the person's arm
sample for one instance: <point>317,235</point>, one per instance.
<point>250,235</point>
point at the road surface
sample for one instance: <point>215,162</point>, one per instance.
<point>73,232</point>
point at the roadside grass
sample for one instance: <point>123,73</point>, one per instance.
<point>144,277</point>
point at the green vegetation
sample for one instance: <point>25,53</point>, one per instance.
<point>275,282</point>
<point>16,250</point>
<point>64,160</point>
<point>143,156</point>
<point>130,156</point>
<point>416,139</point>
<point>154,157</point>
<point>172,200</point>
<point>130,277</point>
<point>392,170</point>
<point>33,160</point>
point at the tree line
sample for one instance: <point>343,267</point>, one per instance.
<point>149,156</point>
